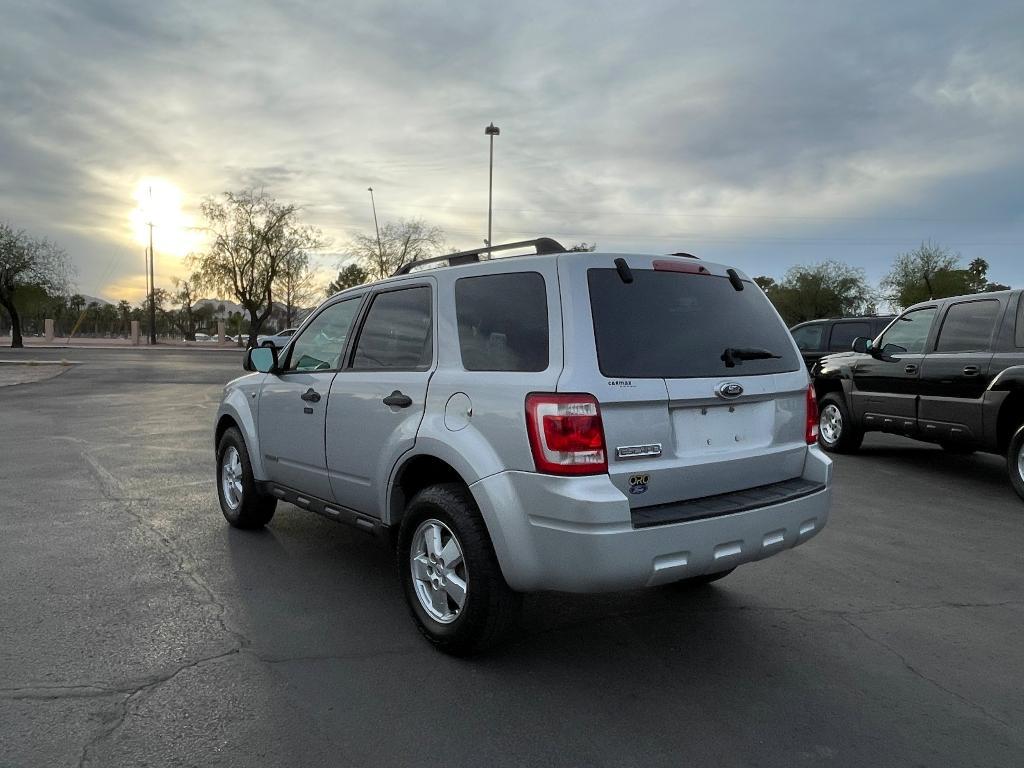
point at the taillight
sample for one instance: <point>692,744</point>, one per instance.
<point>811,432</point>
<point>566,434</point>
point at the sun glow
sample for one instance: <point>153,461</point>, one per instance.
<point>159,202</point>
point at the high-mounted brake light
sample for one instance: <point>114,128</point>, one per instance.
<point>811,431</point>
<point>566,434</point>
<point>673,265</point>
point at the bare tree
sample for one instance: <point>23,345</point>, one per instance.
<point>252,237</point>
<point>583,247</point>
<point>400,243</point>
<point>27,261</point>
<point>297,285</point>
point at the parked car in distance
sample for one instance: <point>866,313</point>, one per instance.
<point>581,422</point>
<point>203,337</point>
<point>949,371</point>
<point>817,338</point>
<point>277,340</point>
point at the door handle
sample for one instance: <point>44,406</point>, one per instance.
<point>311,396</point>
<point>397,400</point>
<point>971,370</point>
<point>910,368</point>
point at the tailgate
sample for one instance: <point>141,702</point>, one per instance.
<point>682,418</point>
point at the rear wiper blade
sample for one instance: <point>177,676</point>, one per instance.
<point>733,355</point>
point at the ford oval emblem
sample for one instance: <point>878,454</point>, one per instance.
<point>728,390</point>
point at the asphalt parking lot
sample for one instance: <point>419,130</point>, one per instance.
<point>136,628</point>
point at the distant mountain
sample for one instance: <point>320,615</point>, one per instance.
<point>229,306</point>
<point>95,300</point>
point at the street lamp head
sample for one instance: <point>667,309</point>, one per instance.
<point>492,130</point>
<point>369,189</point>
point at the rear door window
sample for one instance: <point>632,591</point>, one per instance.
<point>843,335</point>
<point>396,334</point>
<point>968,326</point>
<point>503,322</point>
<point>809,338</point>
<point>679,325</point>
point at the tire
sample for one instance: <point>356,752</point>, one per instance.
<point>837,432</point>
<point>1015,461</point>
<point>489,608</point>
<point>240,500</point>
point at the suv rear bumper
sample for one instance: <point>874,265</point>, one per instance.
<point>576,534</point>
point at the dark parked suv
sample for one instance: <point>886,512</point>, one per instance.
<point>948,371</point>
<point>816,338</point>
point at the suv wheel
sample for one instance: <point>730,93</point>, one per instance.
<point>836,430</point>
<point>450,575</point>
<point>1015,462</point>
<point>240,500</point>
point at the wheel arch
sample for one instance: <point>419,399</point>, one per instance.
<point>412,475</point>
<point>224,423</point>
<point>1011,416</point>
<point>824,387</point>
<point>236,411</point>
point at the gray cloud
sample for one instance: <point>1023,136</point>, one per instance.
<point>766,134</point>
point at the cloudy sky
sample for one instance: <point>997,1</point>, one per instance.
<point>763,134</point>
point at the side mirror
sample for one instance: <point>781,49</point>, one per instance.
<point>862,345</point>
<point>262,359</point>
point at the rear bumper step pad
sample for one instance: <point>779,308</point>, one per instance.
<point>724,503</point>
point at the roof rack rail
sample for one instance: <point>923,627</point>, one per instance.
<point>687,255</point>
<point>542,245</point>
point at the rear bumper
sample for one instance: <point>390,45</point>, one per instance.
<point>576,534</point>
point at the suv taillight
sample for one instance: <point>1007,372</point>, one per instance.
<point>566,434</point>
<point>811,432</point>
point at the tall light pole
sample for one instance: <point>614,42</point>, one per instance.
<point>491,130</point>
<point>380,248</point>
<point>152,284</point>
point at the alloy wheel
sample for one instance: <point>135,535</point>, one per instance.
<point>830,424</point>
<point>231,477</point>
<point>439,575</point>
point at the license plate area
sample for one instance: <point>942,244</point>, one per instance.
<point>711,429</point>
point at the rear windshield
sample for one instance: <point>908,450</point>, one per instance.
<point>676,325</point>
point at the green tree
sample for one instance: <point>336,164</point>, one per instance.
<point>124,308</point>
<point>349,276</point>
<point>978,281</point>
<point>25,260</point>
<point>927,272</point>
<point>828,289</point>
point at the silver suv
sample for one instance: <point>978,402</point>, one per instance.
<point>553,421</point>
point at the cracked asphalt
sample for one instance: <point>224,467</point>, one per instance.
<point>137,628</point>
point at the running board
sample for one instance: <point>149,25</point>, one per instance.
<point>328,509</point>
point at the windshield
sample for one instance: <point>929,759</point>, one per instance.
<point>676,325</point>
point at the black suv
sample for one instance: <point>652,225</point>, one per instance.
<point>948,371</point>
<point>816,338</point>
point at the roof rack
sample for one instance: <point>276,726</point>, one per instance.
<point>542,245</point>
<point>687,255</point>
